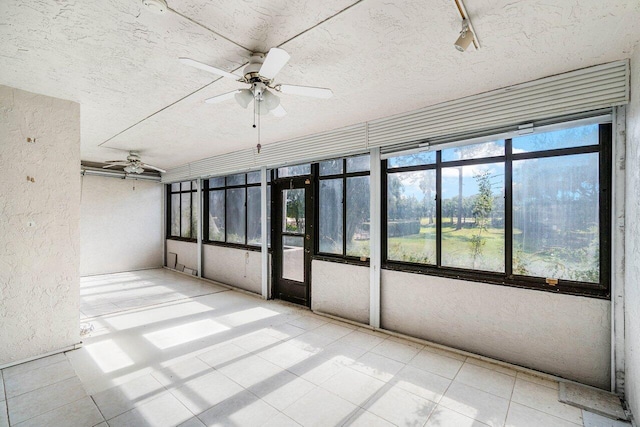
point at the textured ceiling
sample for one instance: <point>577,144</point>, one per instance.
<point>119,61</point>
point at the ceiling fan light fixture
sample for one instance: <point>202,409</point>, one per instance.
<point>270,100</point>
<point>244,97</point>
<point>130,169</point>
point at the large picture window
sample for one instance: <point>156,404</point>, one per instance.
<point>183,210</point>
<point>232,210</point>
<point>527,211</point>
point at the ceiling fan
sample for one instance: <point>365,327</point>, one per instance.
<point>260,74</point>
<point>133,164</point>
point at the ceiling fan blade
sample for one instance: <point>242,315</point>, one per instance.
<point>146,166</point>
<point>115,164</point>
<point>279,111</point>
<point>315,92</point>
<point>116,161</point>
<point>209,68</point>
<point>273,63</point>
<point>222,97</point>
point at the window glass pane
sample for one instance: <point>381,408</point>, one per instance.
<point>194,215</point>
<point>175,215</point>
<point>185,215</point>
<point>473,217</point>
<point>358,216</point>
<point>565,138</point>
<point>330,216</point>
<point>358,164</point>
<point>411,217</point>
<point>331,167</point>
<point>236,211</point>
<point>254,235</point>
<point>175,187</point>
<point>294,209</point>
<point>475,151</point>
<point>556,217</point>
<point>237,179</point>
<point>216,182</point>
<point>253,177</point>
<point>216,215</point>
<point>185,186</point>
<point>417,159</point>
<point>293,258</point>
<point>294,170</point>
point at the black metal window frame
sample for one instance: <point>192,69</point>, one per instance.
<point>343,257</point>
<point>508,278</point>
<point>170,192</point>
<point>205,217</point>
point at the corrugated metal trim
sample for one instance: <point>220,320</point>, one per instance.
<point>579,91</point>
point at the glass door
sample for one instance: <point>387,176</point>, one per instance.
<point>293,239</point>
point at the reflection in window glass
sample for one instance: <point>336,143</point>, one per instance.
<point>194,215</point>
<point>556,217</point>
<point>216,182</point>
<point>294,209</point>
<point>186,186</point>
<point>216,215</point>
<point>294,170</point>
<point>175,186</point>
<point>475,151</point>
<point>331,167</point>
<point>236,215</point>
<point>330,216</point>
<point>293,258</point>
<point>411,217</point>
<point>237,179</point>
<point>253,177</point>
<point>473,217</point>
<point>254,235</point>
<point>358,164</point>
<point>417,159</point>
<point>175,214</point>
<point>185,215</point>
<point>566,138</point>
<point>358,210</point>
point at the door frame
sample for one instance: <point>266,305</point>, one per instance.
<point>277,187</point>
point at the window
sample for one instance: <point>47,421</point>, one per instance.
<point>183,210</point>
<point>232,209</point>
<point>529,211</point>
<point>343,210</point>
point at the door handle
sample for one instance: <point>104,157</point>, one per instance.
<point>307,251</point>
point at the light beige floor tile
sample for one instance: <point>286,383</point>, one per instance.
<point>544,399</point>
<point>202,393</point>
<point>192,422</point>
<point>34,364</point>
<point>243,409</point>
<point>284,331</point>
<point>282,389</point>
<point>400,407</point>
<point>308,322</point>
<point>353,386</point>
<point>377,366</point>
<point>122,398</point>
<point>27,381</point>
<point>285,355</point>
<point>538,380</point>
<point>378,334</point>
<point>320,408</point>
<point>223,355</point>
<point>256,341</point>
<point>177,374</point>
<point>4,417</point>
<point>165,411</point>
<point>492,366</point>
<point>250,370</point>
<point>102,424</point>
<point>311,341</point>
<point>400,351</point>
<point>447,353</point>
<point>81,413</point>
<point>45,399</point>
<point>281,420</point>
<point>422,383</point>
<point>2,395</point>
<point>486,380</point>
<point>482,406</point>
<point>364,418</point>
<point>361,339</point>
<point>316,369</point>
<point>444,417</point>
<point>333,330</point>
<point>436,363</point>
<point>342,352</point>
<point>522,416</point>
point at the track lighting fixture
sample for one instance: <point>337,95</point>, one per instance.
<point>465,38</point>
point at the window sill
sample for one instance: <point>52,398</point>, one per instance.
<point>341,260</point>
<point>182,239</point>
<point>235,246</point>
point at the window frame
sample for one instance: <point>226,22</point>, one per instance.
<point>193,188</point>
<point>508,278</point>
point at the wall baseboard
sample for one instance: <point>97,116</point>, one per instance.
<point>41,356</point>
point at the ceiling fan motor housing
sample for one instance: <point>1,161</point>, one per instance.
<point>252,70</point>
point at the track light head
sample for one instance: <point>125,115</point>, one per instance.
<point>466,37</point>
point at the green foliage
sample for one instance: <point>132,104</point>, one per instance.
<point>482,208</point>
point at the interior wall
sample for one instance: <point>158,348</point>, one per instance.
<point>341,290</point>
<point>564,335</point>
<point>40,222</point>
<point>120,225</point>
<point>235,267</point>
<point>632,243</point>
<point>187,252</point>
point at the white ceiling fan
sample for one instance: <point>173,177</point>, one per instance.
<point>133,164</point>
<point>260,74</point>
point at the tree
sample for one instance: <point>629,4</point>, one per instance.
<point>482,208</point>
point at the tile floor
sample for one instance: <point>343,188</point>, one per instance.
<point>168,350</point>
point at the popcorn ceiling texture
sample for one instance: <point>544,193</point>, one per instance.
<point>39,279</point>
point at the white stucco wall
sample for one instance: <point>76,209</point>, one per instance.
<point>120,228</point>
<point>234,267</point>
<point>187,252</point>
<point>341,290</point>
<point>39,224</point>
<point>563,335</point>
<point>632,243</point>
